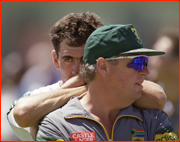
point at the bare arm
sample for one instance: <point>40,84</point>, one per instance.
<point>28,111</point>
<point>153,96</point>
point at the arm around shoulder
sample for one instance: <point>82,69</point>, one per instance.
<point>153,96</point>
<point>29,110</point>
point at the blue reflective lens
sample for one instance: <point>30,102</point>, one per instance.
<point>138,63</point>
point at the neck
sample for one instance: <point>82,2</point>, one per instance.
<point>102,96</point>
<point>98,103</point>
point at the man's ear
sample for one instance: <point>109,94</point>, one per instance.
<point>102,66</point>
<point>55,59</point>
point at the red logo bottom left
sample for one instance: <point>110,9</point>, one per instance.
<point>83,136</point>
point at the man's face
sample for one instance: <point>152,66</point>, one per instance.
<point>69,60</point>
<point>127,81</point>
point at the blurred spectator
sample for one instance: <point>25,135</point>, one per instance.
<point>11,73</point>
<point>164,70</point>
<point>19,75</point>
<point>41,71</point>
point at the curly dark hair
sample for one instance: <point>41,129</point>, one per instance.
<point>74,28</point>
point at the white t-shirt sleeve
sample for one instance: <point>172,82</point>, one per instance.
<point>47,88</point>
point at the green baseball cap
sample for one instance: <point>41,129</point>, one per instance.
<point>112,40</point>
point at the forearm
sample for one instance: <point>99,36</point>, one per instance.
<point>153,96</point>
<point>28,111</point>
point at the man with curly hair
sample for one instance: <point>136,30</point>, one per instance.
<point>68,37</point>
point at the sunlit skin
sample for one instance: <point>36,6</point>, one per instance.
<point>127,81</point>
<point>69,60</point>
<point>120,84</point>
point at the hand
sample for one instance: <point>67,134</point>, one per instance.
<point>75,81</point>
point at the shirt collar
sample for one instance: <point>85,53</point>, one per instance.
<point>131,111</point>
<point>74,108</point>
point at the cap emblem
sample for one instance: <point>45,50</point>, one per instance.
<point>136,35</point>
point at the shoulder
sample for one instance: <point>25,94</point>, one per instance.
<point>150,113</point>
<point>156,119</point>
<point>153,118</point>
<point>153,115</point>
<point>147,113</point>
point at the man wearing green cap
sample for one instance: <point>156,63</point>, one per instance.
<point>116,64</point>
<point>68,36</point>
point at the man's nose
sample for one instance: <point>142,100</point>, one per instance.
<point>76,68</point>
<point>144,71</point>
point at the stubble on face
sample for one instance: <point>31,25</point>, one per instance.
<point>126,82</point>
<point>69,60</point>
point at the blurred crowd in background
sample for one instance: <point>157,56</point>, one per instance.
<point>164,70</point>
<point>26,62</point>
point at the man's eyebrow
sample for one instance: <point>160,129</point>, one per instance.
<point>67,57</point>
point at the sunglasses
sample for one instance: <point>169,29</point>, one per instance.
<point>138,63</point>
